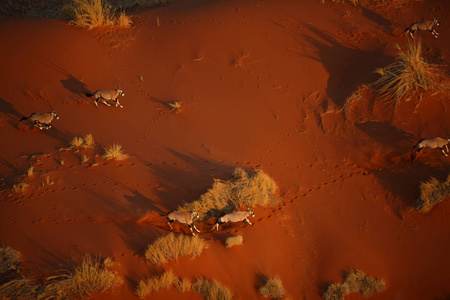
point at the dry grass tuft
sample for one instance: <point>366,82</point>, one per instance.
<point>273,288</point>
<point>20,187</point>
<point>21,288</point>
<point>336,291</point>
<point>123,20</point>
<point>89,14</point>
<point>9,260</point>
<point>227,196</point>
<point>84,159</point>
<point>30,171</point>
<point>408,74</point>
<point>233,241</point>
<point>88,141</point>
<point>155,284</point>
<point>432,192</point>
<point>358,282</point>
<point>212,290</point>
<point>171,247</point>
<point>174,106</point>
<point>115,152</point>
<point>183,285</point>
<point>76,142</point>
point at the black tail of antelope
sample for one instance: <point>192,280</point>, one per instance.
<point>88,94</point>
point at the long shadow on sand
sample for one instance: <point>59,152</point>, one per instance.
<point>385,133</point>
<point>348,66</point>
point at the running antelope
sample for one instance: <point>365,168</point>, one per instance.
<point>107,95</point>
<point>42,120</point>
<point>237,216</point>
<point>433,143</point>
<point>427,25</point>
<point>187,218</point>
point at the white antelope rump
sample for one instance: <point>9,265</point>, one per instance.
<point>187,218</point>
<point>427,25</point>
<point>433,143</point>
<point>237,216</point>
<point>107,95</point>
<point>42,120</point>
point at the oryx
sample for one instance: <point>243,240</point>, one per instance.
<point>237,216</point>
<point>433,143</point>
<point>187,218</point>
<point>42,120</point>
<point>427,25</point>
<point>107,95</point>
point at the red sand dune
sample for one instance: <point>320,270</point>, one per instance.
<point>262,84</point>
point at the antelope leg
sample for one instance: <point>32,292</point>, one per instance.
<point>106,103</point>
<point>196,228</point>
<point>248,221</point>
<point>170,224</point>
<point>190,227</point>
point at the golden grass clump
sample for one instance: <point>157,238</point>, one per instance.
<point>20,187</point>
<point>358,282</point>
<point>115,152</point>
<point>21,288</point>
<point>409,73</point>
<point>123,20</point>
<point>155,284</point>
<point>88,140</point>
<point>174,106</point>
<point>183,285</point>
<point>171,247</point>
<point>76,142</point>
<point>432,192</point>
<point>89,14</point>
<point>234,241</point>
<point>212,290</point>
<point>273,288</point>
<point>336,291</point>
<point>227,196</point>
<point>9,259</point>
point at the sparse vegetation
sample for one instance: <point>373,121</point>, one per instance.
<point>76,142</point>
<point>88,141</point>
<point>358,282</point>
<point>336,291</point>
<point>212,290</point>
<point>155,284</point>
<point>233,241</point>
<point>84,159</point>
<point>115,152</point>
<point>9,259</point>
<point>273,288</point>
<point>409,74</point>
<point>123,20</point>
<point>227,196</point>
<point>174,106</point>
<point>432,192</point>
<point>30,171</point>
<point>183,285</point>
<point>171,247</point>
<point>20,187</point>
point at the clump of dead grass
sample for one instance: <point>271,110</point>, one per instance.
<point>171,247</point>
<point>155,284</point>
<point>115,152</point>
<point>9,259</point>
<point>273,288</point>
<point>336,291</point>
<point>76,142</point>
<point>233,241</point>
<point>88,141</point>
<point>20,187</point>
<point>409,74</point>
<point>242,190</point>
<point>212,290</point>
<point>432,192</point>
<point>30,171</point>
<point>21,288</point>
<point>123,20</point>
<point>183,285</point>
<point>358,282</point>
<point>175,106</point>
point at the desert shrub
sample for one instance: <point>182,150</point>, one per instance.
<point>20,288</point>
<point>227,196</point>
<point>171,247</point>
<point>115,152</point>
<point>358,282</point>
<point>409,73</point>
<point>273,288</point>
<point>155,284</point>
<point>233,241</point>
<point>212,290</point>
<point>431,193</point>
<point>76,142</point>
<point>336,291</point>
<point>9,259</point>
<point>183,285</point>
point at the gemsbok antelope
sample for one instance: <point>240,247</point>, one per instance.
<point>427,25</point>
<point>237,216</point>
<point>107,95</point>
<point>187,218</point>
<point>433,143</point>
<point>42,120</point>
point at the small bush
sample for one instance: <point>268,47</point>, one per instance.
<point>115,152</point>
<point>183,285</point>
<point>358,282</point>
<point>212,290</point>
<point>432,192</point>
<point>171,247</point>
<point>233,241</point>
<point>76,142</point>
<point>155,284</point>
<point>273,288</point>
<point>9,259</point>
<point>336,291</point>
<point>227,196</point>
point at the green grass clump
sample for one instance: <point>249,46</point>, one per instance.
<point>212,290</point>
<point>115,152</point>
<point>432,192</point>
<point>9,259</point>
<point>233,241</point>
<point>273,288</point>
<point>358,282</point>
<point>171,247</point>
<point>155,284</point>
<point>227,196</point>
